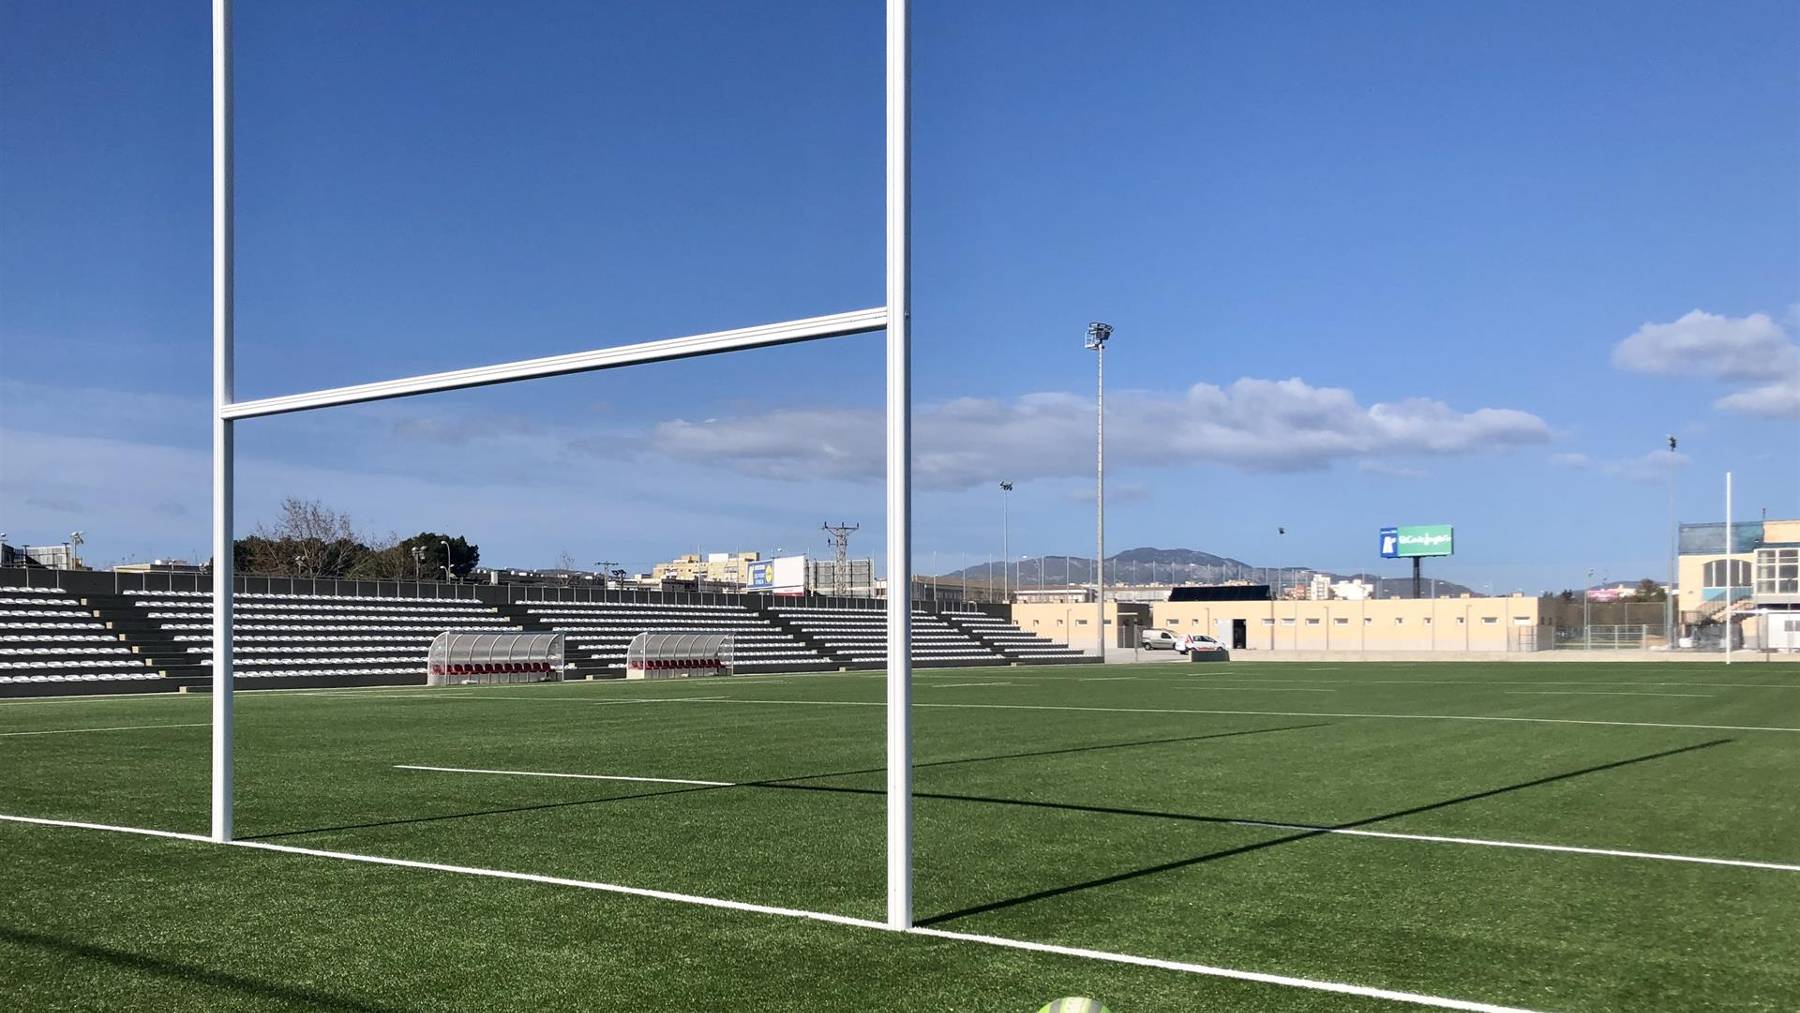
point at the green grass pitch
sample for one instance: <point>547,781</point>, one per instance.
<point>1167,811</point>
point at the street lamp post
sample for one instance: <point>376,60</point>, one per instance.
<point>1005,549</point>
<point>1587,633</point>
<point>1097,335</point>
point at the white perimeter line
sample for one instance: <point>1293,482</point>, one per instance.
<point>582,777</point>
<point>1527,846</point>
<point>1105,678</point>
<point>1741,863</point>
<point>1600,692</point>
<point>1276,714</point>
<point>1438,1002</point>
<point>113,728</point>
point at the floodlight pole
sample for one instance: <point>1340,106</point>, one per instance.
<point>899,471</point>
<point>1729,576</point>
<point>1097,333</point>
<point>1674,551</point>
<point>223,568</point>
<point>1005,549</point>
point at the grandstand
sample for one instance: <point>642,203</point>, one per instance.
<point>597,633</point>
<point>48,637</point>
<point>859,636</point>
<point>319,637</point>
<point>91,635</point>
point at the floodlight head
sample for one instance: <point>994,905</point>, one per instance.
<point>1006,487</point>
<point>1671,442</point>
<point>1097,333</point>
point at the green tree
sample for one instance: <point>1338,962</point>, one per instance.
<point>1650,590</point>
<point>428,561</point>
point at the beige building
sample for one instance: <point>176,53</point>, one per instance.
<point>1390,624</point>
<point>717,567</point>
<point>1764,567</point>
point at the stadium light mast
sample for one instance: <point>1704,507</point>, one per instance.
<point>1005,549</point>
<point>1674,551</point>
<point>1097,335</point>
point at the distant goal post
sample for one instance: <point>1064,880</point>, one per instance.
<point>679,655</point>
<point>461,659</point>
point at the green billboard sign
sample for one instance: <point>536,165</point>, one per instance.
<point>1410,540</point>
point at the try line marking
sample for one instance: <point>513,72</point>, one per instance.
<point>1571,849</point>
<point>110,728</point>
<point>1342,988</point>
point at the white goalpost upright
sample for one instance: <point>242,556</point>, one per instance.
<point>894,317</point>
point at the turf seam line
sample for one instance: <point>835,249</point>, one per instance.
<point>112,728</point>
<point>1601,692</point>
<point>580,777</point>
<point>1158,963</point>
<point>1276,714</point>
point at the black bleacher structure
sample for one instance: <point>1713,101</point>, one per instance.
<point>93,636</point>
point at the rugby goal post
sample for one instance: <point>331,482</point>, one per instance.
<point>465,659</point>
<point>679,655</point>
<point>894,317</point>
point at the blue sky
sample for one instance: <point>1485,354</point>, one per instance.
<point>1368,264</point>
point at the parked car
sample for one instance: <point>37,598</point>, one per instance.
<point>1198,642</point>
<point>1159,640</point>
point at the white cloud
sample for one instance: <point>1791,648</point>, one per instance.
<point>1780,399</point>
<point>1252,425</point>
<point>1653,466</point>
<point>1731,348</point>
<point>1390,470</point>
<point>1650,467</point>
<point>1752,349</point>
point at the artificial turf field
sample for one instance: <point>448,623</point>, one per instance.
<point>1165,811</point>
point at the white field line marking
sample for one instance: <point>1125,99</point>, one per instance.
<point>1437,1002</point>
<point>1105,678</point>
<point>582,777</point>
<point>141,831</point>
<point>94,698</point>
<point>113,728</point>
<point>1276,714</point>
<point>1742,863</point>
<point>1601,692</point>
<point>1658,856</point>
<point>1478,683</point>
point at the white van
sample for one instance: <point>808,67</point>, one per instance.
<point>1158,640</point>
